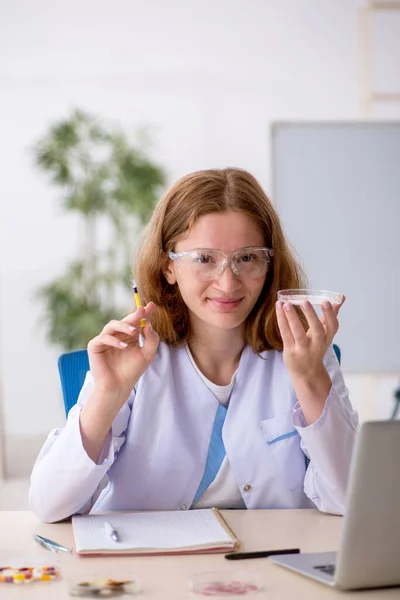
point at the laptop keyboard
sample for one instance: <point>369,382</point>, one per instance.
<point>328,569</point>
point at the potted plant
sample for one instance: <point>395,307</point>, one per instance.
<point>114,186</point>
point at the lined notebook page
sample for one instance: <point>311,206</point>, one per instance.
<point>151,530</point>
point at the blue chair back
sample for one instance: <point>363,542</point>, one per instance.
<point>72,367</point>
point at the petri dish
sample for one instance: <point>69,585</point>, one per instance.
<point>224,585</point>
<point>94,586</point>
<point>315,297</point>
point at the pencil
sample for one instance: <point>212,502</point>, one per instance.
<point>137,301</point>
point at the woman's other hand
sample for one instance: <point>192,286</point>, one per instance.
<point>304,351</point>
<point>116,359</point>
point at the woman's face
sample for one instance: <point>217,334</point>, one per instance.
<point>225,301</point>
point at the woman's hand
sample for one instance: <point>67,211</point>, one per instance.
<point>116,362</point>
<point>304,351</point>
<point>116,359</point>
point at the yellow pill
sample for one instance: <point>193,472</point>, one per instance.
<point>46,578</point>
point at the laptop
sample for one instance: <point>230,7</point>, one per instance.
<point>369,550</point>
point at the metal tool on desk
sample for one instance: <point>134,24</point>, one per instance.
<point>50,544</point>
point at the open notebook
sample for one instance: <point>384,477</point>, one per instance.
<point>172,532</point>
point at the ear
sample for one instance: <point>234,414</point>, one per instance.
<point>169,272</point>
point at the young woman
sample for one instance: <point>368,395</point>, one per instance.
<point>226,397</point>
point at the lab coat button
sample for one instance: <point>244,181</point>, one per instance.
<point>183,507</point>
<point>247,487</point>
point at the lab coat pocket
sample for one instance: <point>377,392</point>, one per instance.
<point>283,448</point>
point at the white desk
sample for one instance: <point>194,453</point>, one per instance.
<point>166,577</point>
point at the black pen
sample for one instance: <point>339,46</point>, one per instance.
<point>260,553</point>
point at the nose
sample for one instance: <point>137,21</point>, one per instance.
<point>227,281</point>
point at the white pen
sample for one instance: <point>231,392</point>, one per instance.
<point>112,532</point>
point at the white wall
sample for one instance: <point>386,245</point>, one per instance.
<point>209,76</point>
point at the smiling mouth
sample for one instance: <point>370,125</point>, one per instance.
<point>225,303</point>
<point>225,300</point>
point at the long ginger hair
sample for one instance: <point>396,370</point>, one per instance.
<point>197,194</point>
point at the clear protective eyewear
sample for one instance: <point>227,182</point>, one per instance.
<point>207,265</point>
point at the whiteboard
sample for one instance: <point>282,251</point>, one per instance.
<point>336,187</point>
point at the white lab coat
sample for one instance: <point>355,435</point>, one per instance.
<point>155,455</point>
